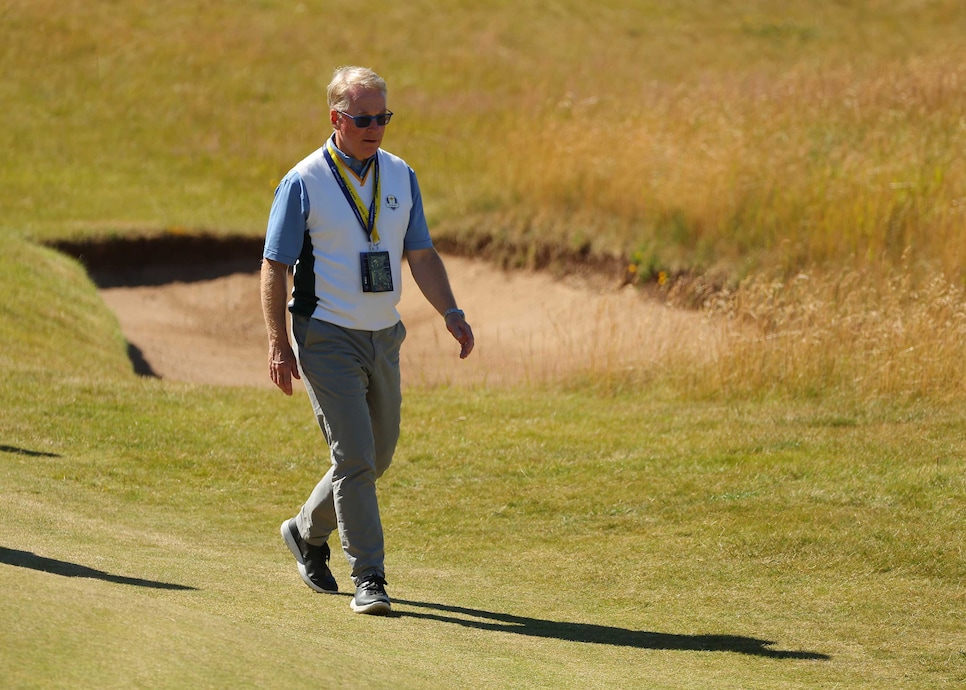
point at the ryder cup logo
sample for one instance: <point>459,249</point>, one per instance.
<point>392,202</point>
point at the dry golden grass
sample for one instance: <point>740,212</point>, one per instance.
<point>749,170</point>
<point>858,334</point>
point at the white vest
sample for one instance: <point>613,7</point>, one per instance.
<point>328,277</point>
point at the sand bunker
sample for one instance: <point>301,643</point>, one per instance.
<point>528,327</point>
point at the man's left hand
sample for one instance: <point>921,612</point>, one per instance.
<point>457,326</point>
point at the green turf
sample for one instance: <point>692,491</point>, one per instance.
<point>535,540</point>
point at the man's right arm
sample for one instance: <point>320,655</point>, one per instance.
<point>281,358</point>
<point>286,227</point>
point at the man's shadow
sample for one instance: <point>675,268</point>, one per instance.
<point>24,451</point>
<point>26,559</point>
<point>601,634</point>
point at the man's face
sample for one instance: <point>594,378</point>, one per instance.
<point>360,143</point>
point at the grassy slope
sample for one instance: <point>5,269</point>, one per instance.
<point>537,538</point>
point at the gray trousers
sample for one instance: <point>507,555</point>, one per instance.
<point>352,378</point>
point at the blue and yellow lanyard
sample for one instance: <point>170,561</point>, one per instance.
<point>366,217</point>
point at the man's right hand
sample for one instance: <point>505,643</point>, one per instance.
<point>283,367</point>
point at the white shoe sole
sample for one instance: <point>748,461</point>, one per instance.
<point>376,608</point>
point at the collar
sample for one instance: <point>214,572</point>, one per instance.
<point>358,167</point>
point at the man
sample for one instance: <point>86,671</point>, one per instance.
<point>345,217</point>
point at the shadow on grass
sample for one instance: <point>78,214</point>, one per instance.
<point>24,451</point>
<point>26,559</point>
<point>601,634</point>
<point>142,367</point>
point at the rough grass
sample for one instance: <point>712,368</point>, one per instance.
<point>729,136</point>
<point>859,333</point>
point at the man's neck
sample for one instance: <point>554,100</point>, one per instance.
<point>357,166</point>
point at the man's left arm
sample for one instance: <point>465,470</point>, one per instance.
<point>430,275</point>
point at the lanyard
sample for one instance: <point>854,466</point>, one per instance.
<point>366,217</point>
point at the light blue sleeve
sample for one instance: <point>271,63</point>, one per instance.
<point>417,234</point>
<point>286,221</point>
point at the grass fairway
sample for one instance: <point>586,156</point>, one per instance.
<point>795,519</point>
<point>534,541</point>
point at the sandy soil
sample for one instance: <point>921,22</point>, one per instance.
<point>528,327</point>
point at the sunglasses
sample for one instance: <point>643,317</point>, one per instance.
<point>363,121</point>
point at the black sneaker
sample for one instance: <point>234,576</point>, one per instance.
<point>312,560</point>
<point>371,597</point>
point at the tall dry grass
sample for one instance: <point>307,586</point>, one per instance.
<point>747,170</point>
<point>700,136</point>
<point>857,334</point>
